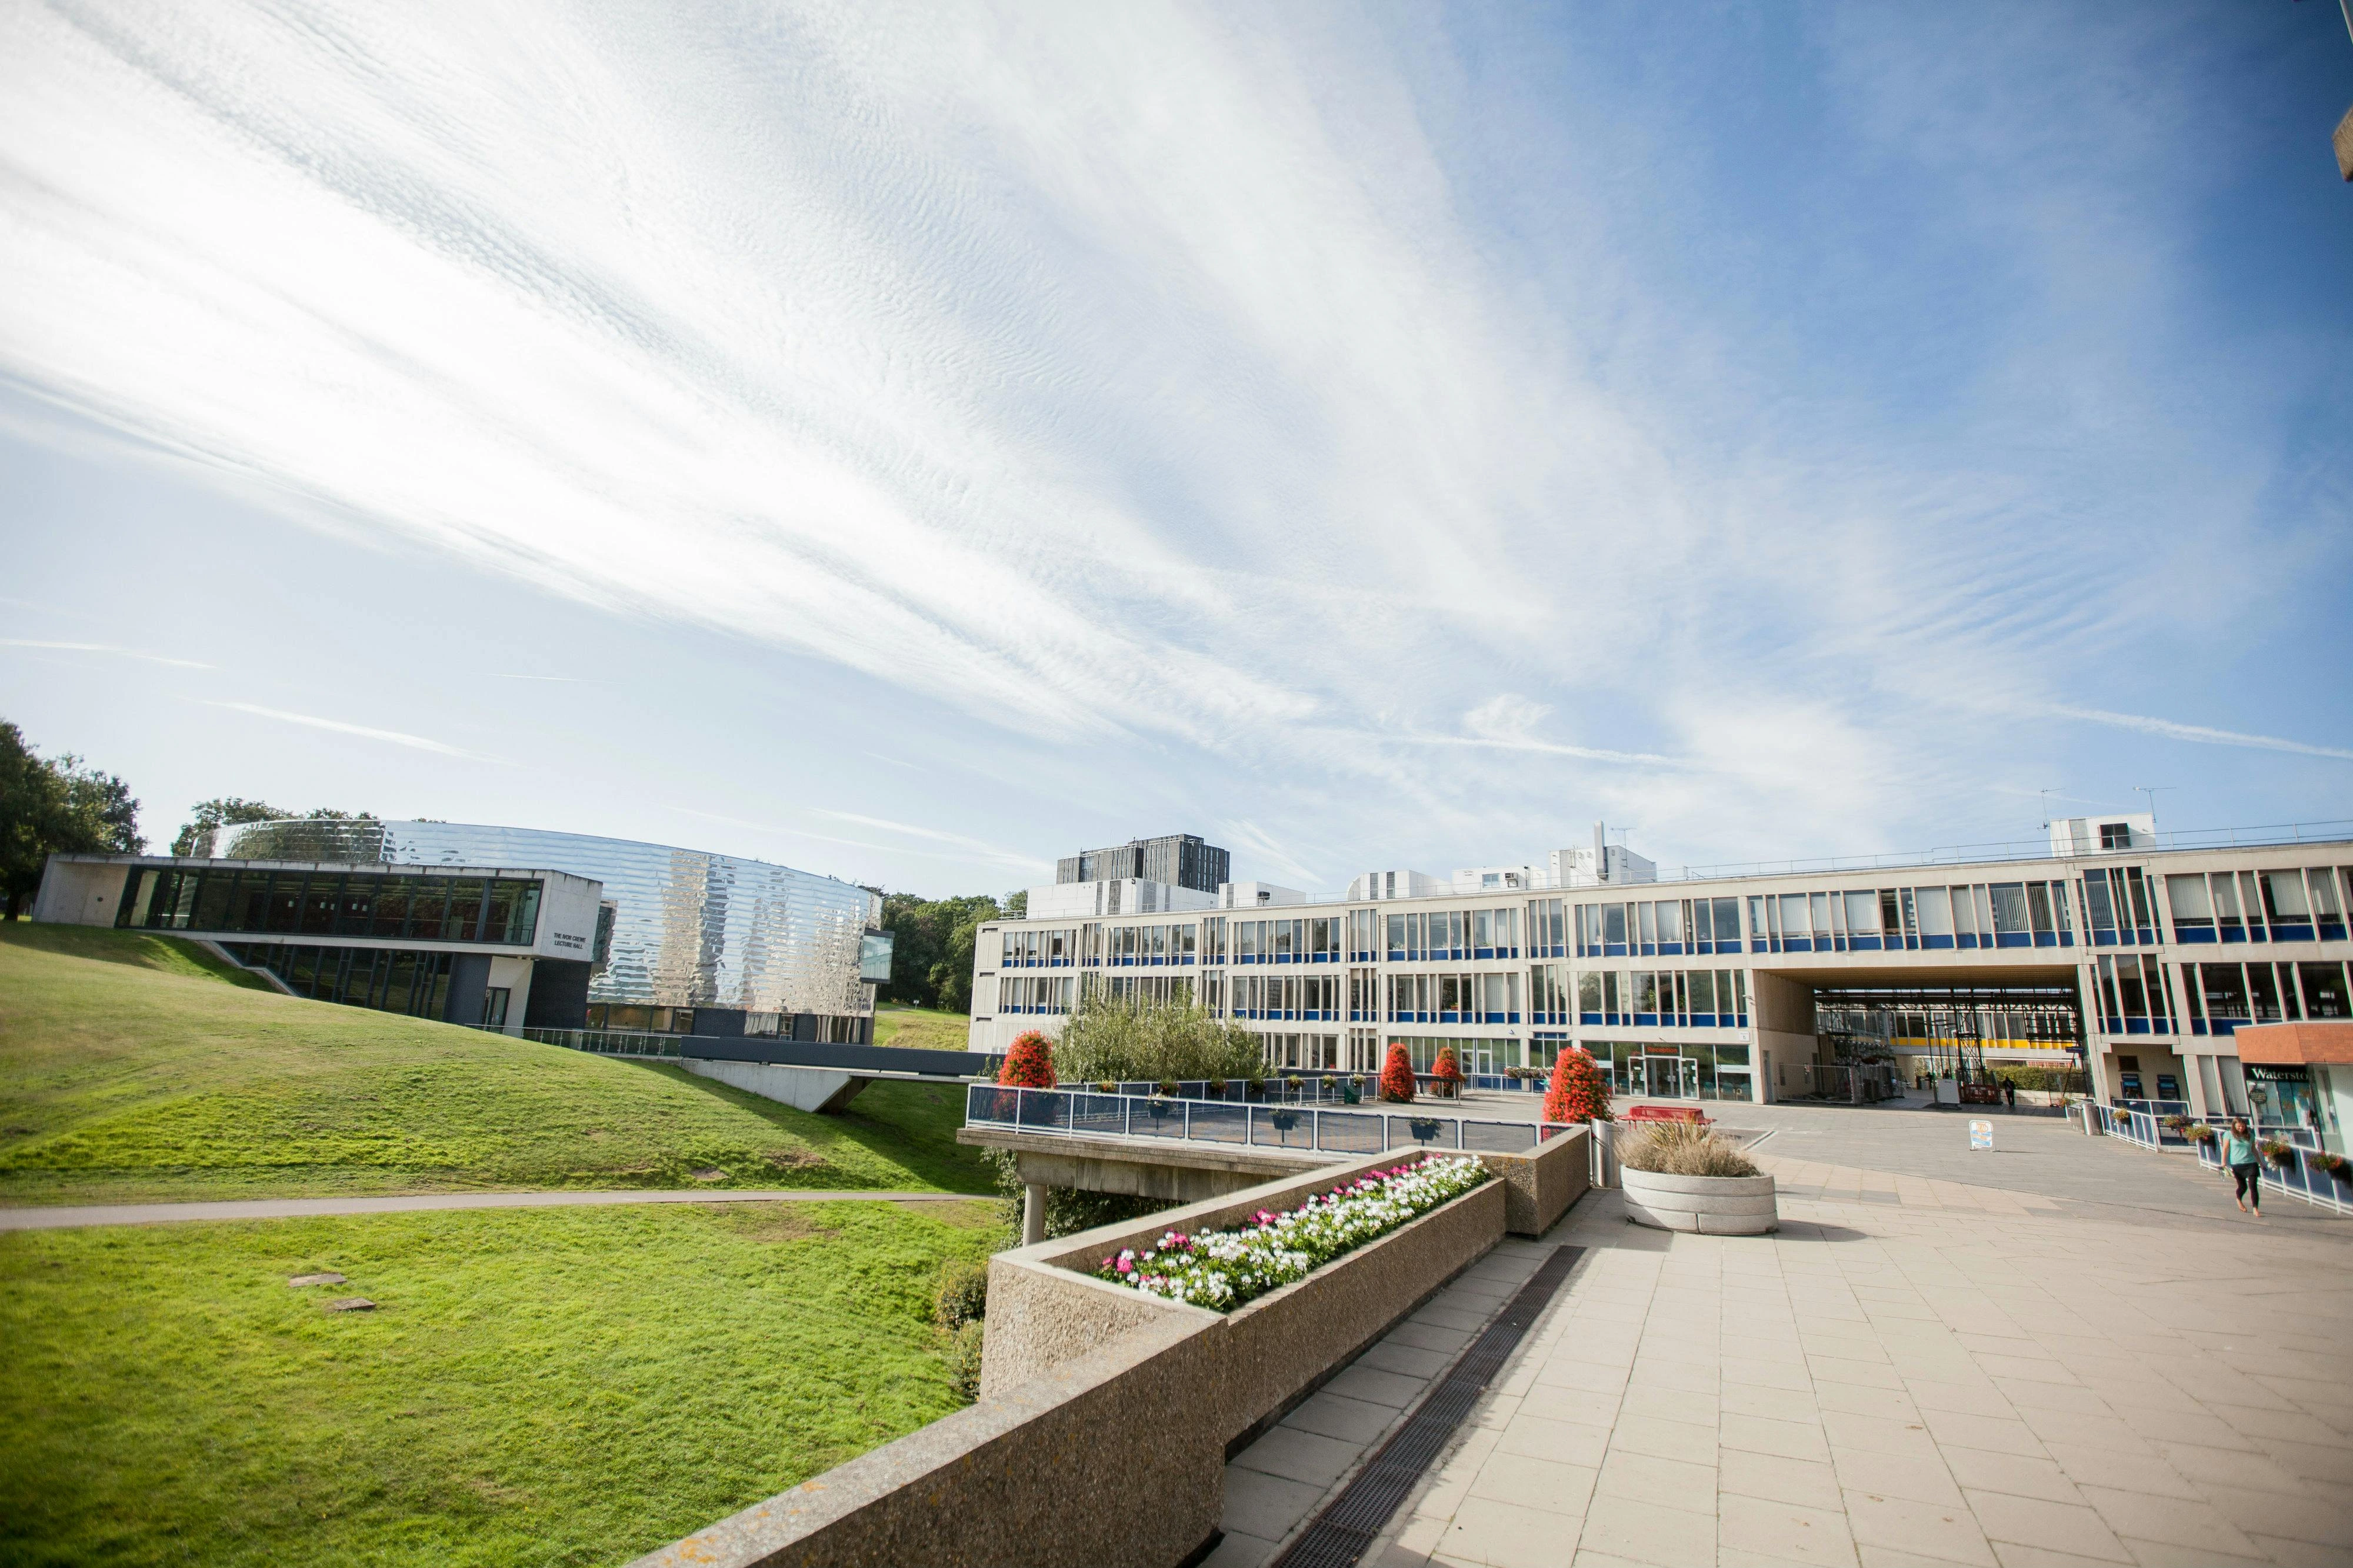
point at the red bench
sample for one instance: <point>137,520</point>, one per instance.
<point>1666,1113</point>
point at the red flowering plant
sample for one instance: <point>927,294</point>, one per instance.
<point>1448,1072</point>
<point>1397,1076</point>
<point>1029,1064</point>
<point>1577,1091</point>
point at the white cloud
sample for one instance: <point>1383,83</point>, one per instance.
<point>367,733</point>
<point>2203,734</point>
<point>104,648</point>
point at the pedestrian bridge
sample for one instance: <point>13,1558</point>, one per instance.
<point>1180,1150</point>
<point>808,1074</point>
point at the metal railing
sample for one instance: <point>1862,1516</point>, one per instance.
<point>2305,1174</point>
<point>1078,1113</point>
<point>609,1042</point>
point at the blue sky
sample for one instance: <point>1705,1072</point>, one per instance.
<point>911,442</point>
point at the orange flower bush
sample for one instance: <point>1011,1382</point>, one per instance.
<point>1397,1077</point>
<point>1577,1091</point>
<point>1029,1064</point>
<point>1448,1071</point>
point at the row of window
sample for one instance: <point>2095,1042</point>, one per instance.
<point>1453,999</point>
<point>2116,906</point>
<point>390,980</point>
<point>2224,995</point>
<point>2259,906</point>
<point>503,910</point>
<point>1665,998</point>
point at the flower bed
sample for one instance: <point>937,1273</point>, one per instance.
<point>1225,1269</point>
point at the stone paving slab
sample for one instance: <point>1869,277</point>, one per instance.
<point>1915,1369</point>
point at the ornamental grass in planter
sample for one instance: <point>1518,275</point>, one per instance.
<point>1681,1176</point>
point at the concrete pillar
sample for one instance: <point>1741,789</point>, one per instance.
<point>1033,1214</point>
<point>1605,1146</point>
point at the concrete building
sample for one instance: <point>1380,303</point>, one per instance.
<point>2141,962</point>
<point>608,934</point>
<point>1174,859</point>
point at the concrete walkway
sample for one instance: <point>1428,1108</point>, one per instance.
<point>1914,1371</point>
<point>301,1208</point>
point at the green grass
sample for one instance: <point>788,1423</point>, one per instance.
<point>548,1386</point>
<point>130,1071</point>
<point>924,1029</point>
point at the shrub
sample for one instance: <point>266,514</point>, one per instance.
<point>1446,1070</point>
<point>1029,1064</point>
<point>963,1354</point>
<point>1134,1041</point>
<point>1397,1076</point>
<point>1681,1149</point>
<point>1577,1091</point>
<point>963,1295</point>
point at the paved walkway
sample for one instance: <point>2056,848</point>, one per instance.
<point>1914,1369</point>
<point>299,1208</point>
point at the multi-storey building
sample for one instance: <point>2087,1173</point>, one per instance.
<point>2140,960</point>
<point>1173,859</point>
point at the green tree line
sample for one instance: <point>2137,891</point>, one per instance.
<point>931,947</point>
<point>51,806</point>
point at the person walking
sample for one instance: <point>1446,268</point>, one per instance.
<point>2010,1096</point>
<point>2239,1154</point>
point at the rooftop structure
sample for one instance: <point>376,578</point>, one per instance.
<point>1174,859</point>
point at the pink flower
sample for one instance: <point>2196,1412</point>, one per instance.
<point>1126,1265</point>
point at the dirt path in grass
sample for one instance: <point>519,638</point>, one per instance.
<point>297,1209</point>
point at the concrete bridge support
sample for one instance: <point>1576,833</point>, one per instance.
<point>822,1089</point>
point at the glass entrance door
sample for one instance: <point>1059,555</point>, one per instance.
<point>1665,1078</point>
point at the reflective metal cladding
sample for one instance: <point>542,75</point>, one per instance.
<point>691,929</point>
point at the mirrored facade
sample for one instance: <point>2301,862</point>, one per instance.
<point>689,929</point>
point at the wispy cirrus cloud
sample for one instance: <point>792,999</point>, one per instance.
<point>107,649</point>
<point>365,732</point>
<point>2202,734</point>
<point>1231,403</point>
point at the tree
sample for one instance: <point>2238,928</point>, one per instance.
<point>1397,1076</point>
<point>56,806</point>
<point>1125,1038</point>
<point>1029,1064</point>
<point>931,948</point>
<point>229,811</point>
<point>1577,1091</point>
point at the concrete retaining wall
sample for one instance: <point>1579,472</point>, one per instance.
<point>1105,1415</point>
<point>1539,1187</point>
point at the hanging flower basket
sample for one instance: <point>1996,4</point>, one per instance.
<point>1285,1120</point>
<point>1425,1128</point>
<point>2276,1153</point>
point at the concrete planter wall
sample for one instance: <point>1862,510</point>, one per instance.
<point>1711,1205</point>
<point>1105,1415</point>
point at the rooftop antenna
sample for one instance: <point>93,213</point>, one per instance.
<point>2046,794</point>
<point>2150,790</point>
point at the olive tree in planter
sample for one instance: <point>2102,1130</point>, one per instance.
<point>1678,1176</point>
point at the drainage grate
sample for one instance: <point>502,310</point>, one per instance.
<point>1339,1536</point>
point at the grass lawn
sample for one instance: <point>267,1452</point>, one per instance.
<point>545,1386</point>
<point>922,1027</point>
<point>132,1068</point>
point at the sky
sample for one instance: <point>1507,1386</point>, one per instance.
<point>915,442</point>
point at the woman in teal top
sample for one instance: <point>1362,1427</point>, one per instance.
<point>2247,1166</point>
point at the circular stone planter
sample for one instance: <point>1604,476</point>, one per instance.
<point>1711,1205</point>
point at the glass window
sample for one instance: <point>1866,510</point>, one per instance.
<point>1862,912</point>
<point>429,903</point>
<point>215,901</point>
<point>2283,896</point>
<point>2224,988</point>
<point>1613,924</point>
<point>1793,915</point>
<point>1820,906</point>
<point>1670,920</point>
<point>1703,991</point>
<point>2038,907</point>
<point>498,909</point>
<point>463,921</point>
<point>1935,906</point>
<point>391,911</point>
<point>1646,992</point>
<point>2325,992</point>
<point>1589,992</point>
<point>2226,898</point>
<point>285,901</point>
<point>2191,905</point>
<point>2097,903</point>
<point>2010,909</point>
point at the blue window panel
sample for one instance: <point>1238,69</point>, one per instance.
<point>1670,950</point>
<point>2066,939</point>
<point>1938,941</point>
<point>2197,1025</point>
<point>2233,933</point>
<point>2193,934</point>
<point>2103,938</point>
<point>2135,1026</point>
<point>1613,949</point>
<point>1646,1020</point>
<point>2331,932</point>
<point>2292,933</point>
<point>1589,1017</point>
<point>2226,1025</point>
<point>1797,944</point>
<point>2045,939</point>
<point>2013,939</point>
<point>1863,943</point>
